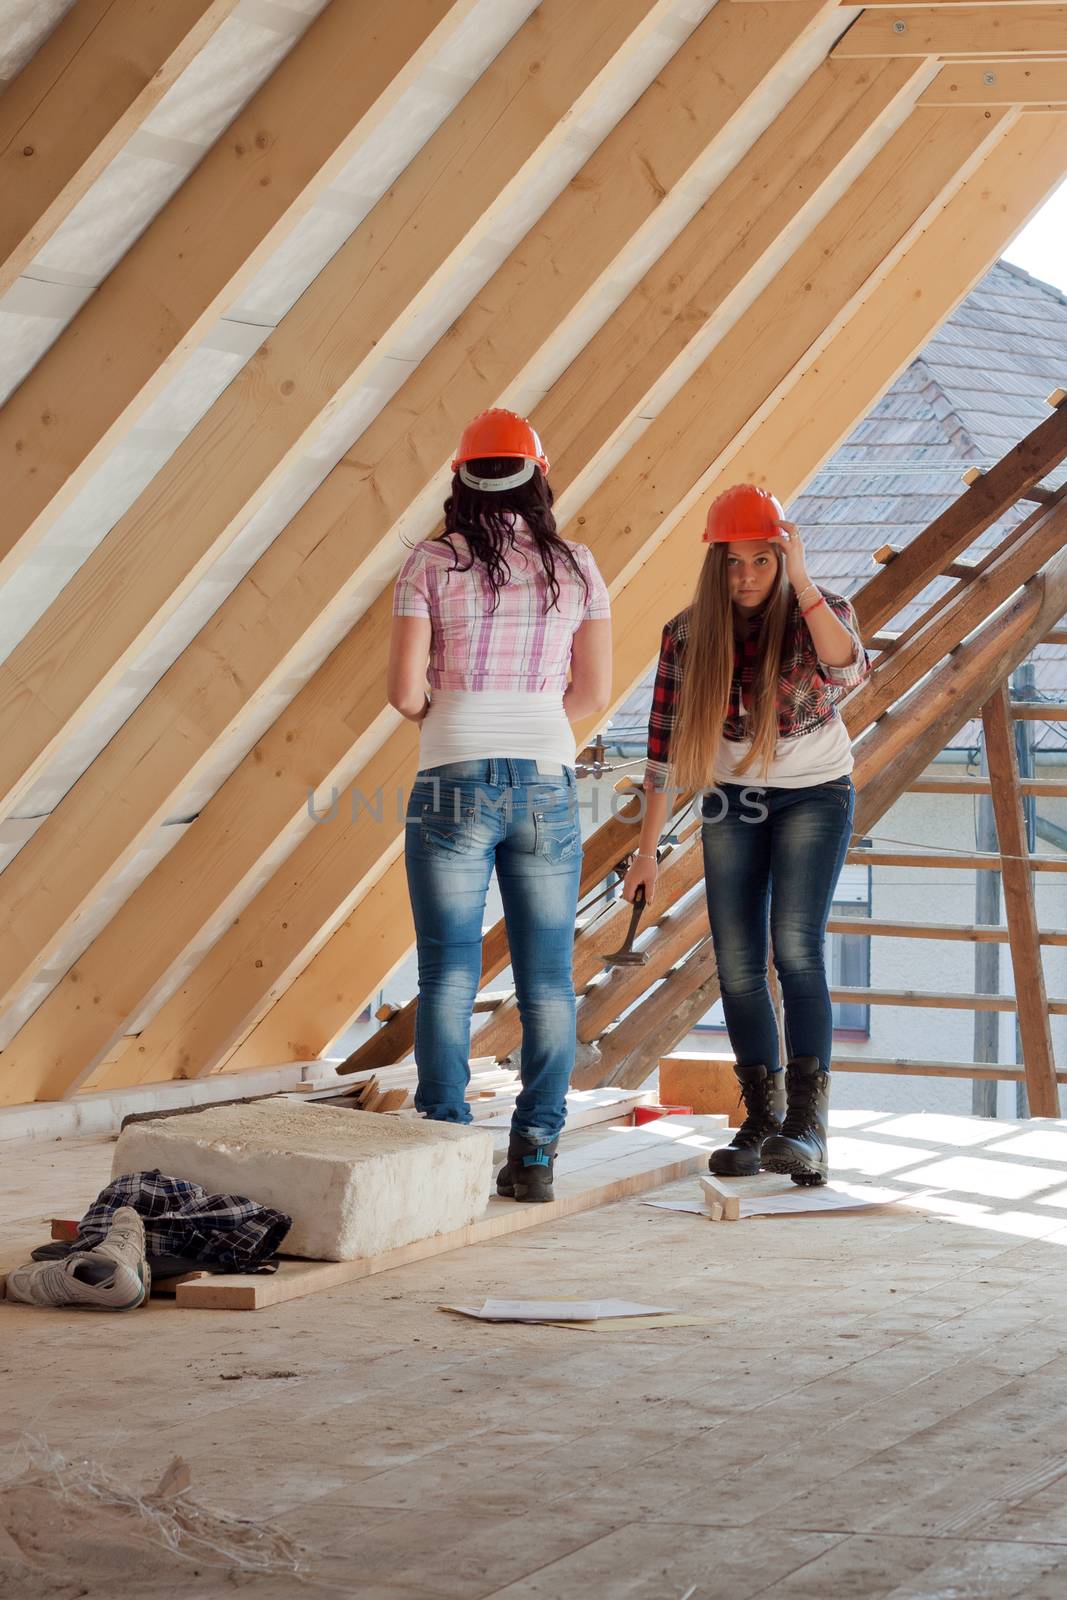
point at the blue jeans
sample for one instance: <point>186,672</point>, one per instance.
<point>780,849</point>
<point>462,819</point>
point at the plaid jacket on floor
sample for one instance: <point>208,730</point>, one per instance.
<point>182,1219</point>
<point>808,689</point>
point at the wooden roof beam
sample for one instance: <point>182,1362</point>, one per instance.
<point>805,428</point>
<point>388,270</point>
<point>309,571</point>
<point>249,192</point>
<point>78,100</point>
<point>988,31</point>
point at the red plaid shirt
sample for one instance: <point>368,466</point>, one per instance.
<point>808,689</point>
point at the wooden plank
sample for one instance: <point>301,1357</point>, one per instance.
<point>1042,786</point>
<point>932,1069</point>
<point>204,248</point>
<point>998,84</point>
<point>963,30</point>
<point>968,863</point>
<point>344,522</point>
<point>655,1154</point>
<point>78,100</point>
<point>721,1199</point>
<point>1039,711</point>
<point>980,933</point>
<point>1057,636</point>
<point>404,252</point>
<point>1019,908</point>
<point>937,1002</point>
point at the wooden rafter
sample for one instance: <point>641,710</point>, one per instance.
<point>439,209</point>
<point>205,246</point>
<point>309,571</point>
<point>77,102</point>
<point>1032,1001</point>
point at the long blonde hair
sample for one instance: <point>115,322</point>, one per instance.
<point>707,674</point>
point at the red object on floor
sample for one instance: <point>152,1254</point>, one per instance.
<point>653,1113</point>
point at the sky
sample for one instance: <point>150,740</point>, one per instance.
<point>1041,247</point>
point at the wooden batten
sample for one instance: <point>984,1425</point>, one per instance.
<point>76,103</point>
<point>987,32</point>
<point>1032,1001</point>
<point>999,83</point>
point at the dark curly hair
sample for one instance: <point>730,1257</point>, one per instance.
<point>486,520</point>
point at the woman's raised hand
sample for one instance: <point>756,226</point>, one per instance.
<point>642,874</point>
<point>793,546</point>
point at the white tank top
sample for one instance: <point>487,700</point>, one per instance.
<point>480,724</point>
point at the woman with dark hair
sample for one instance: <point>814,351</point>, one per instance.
<point>497,612</point>
<point>746,700</point>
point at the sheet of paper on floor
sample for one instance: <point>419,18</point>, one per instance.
<point>802,1201</point>
<point>557,1310</point>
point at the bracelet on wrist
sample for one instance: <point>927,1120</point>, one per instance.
<point>813,607</point>
<point>644,855</point>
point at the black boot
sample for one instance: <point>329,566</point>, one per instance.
<point>527,1173</point>
<point>764,1096</point>
<point>800,1149</point>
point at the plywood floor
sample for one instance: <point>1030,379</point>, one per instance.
<point>876,1408</point>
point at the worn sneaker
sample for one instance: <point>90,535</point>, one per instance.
<point>113,1277</point>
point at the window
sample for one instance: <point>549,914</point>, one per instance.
<point>848,955</point>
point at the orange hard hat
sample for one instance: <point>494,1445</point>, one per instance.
<point>743,512</point>
<point>499,433</point>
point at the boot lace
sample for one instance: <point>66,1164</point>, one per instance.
<point>800,1117</point>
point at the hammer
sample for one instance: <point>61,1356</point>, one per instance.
<point>628,956</point>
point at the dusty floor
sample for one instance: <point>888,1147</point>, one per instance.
<point>877,1407</point>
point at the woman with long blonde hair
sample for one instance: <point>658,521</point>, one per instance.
<point>745,710</point>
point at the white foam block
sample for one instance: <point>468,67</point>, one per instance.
<point>355,1183</point>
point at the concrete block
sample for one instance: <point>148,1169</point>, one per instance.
<point>355,1184</point>
<point>705,1082</point>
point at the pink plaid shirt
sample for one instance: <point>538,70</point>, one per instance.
<point>520,645</point>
